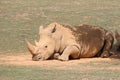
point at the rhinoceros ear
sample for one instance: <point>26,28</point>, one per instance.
<point>30,47</point>
<point>54,29</point>
<point>41,29</point>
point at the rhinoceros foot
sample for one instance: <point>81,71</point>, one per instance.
<point>56,55</point>
<point>105,54</point>
<point>63,58</point>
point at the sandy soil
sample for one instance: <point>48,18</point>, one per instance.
<point>25,60</point>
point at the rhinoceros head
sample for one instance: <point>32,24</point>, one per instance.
<point>43,49</point>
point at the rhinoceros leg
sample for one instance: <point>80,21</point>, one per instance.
<point>108,44</point>
<point>69,51</point>
<point>117,36</point>
<point>56,55</point>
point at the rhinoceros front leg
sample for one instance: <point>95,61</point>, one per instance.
<point>56,55</point>
<point>72,51</point>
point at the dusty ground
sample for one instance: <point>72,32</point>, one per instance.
<point>25,60</point>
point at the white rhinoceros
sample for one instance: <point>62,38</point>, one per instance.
<point>65,42</point>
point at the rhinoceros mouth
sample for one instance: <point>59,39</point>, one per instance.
<point>37,59</point>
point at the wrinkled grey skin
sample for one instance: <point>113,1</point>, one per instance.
<point>63,42</point>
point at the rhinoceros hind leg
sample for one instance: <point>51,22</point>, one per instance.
<point>108,45</point>
<point>105,54</point>
<point>117,36</point>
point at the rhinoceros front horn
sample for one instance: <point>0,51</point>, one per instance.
<point>36,43</point>
<point>30,47</point>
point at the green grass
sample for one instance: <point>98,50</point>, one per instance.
<point>37,73</point>
<point>20,19</point>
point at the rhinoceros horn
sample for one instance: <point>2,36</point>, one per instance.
<point>36,43</point>
<point>30,47</point>
<point>40,30</point>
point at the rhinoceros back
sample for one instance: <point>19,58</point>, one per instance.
<point>89,38</point>
<point>92,37</point>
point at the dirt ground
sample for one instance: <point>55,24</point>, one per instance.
<point>25,60</point>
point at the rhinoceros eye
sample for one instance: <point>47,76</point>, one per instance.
<point>46,46</point>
